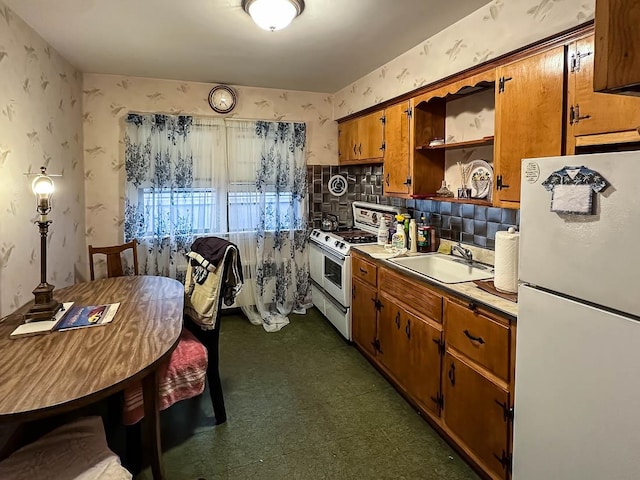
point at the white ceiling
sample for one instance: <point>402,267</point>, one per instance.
<point>333,42</point>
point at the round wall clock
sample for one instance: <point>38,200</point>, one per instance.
<point>222,98</point>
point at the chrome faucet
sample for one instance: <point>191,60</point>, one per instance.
<point>465,252</point>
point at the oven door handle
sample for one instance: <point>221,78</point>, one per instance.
<point>329,253</point>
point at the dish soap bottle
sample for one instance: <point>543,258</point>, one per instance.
<point>399,240</point>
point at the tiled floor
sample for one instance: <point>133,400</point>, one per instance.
<point>301,404</point>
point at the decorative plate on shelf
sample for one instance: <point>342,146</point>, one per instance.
<point>480,179</point>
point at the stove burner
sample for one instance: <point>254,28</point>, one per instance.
<point>357,236</point>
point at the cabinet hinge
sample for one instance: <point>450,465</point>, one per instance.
<point>576,59</point>
<point>383,146</point>
<point>409,112</point>
<point>506,460</point>
<point>440,343</point>
<point>507,411</point>
<point>376,345</point>
<point>501,82</point>
<point>439,400</point>
<point>383,119</point>
<point>408,182</point>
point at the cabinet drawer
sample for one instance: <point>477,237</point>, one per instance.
<point>416,297</point>
<point>365,271</point>
<point>477,336</point>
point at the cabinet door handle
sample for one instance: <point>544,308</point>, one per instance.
<point>355,152</point>
<point>452,374</point>
<point>480,340</point>
<point>387,179</point>
<point>398,320</point>
<point>362,270</point>
<point>472,306</point>
<point>360,149</point>
<point>407,329</point>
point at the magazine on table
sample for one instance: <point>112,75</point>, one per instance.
<point>87,316</point>
<point>69,317</point>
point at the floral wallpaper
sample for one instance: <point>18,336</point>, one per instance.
<point>499,27</point>
<point>108,99</point>
<point>40,124</point>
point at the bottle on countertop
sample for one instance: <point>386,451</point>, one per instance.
<point>399,240</point>
<point>423,236</point>
<point>434,240</point>
<point>413,236</point>
<point>383,232</point>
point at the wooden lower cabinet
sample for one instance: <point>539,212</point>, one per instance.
<point>475,413</point>
<point>454,363</point>
<point>363,315</point>
<point>422,377</point>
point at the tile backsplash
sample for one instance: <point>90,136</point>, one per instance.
<point>473,224</point>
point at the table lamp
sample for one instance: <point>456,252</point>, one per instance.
<point>45,307</point>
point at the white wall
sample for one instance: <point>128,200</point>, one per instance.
<point>493,30</point>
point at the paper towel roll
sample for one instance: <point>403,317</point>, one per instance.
<point>506,261</point>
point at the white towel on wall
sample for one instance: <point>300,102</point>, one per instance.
<point>572,199</point>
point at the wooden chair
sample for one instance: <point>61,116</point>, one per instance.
<point>114,258</point>
<point>209,339</point>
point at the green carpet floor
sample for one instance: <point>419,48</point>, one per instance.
<point>301,404</point>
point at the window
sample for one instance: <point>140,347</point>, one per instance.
<point>195,209</point>
<point>244,209</point>
<point>184,208</point>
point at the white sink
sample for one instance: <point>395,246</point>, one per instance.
<point>444,268</point>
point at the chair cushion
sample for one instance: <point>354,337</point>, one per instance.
<point>75,450</point>
<point>181,378</point>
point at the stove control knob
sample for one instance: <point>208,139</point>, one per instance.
<point>342,245</point>
<point>326,238</point>
<point>337,243</point>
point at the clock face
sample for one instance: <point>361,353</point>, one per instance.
<point>222,99</point>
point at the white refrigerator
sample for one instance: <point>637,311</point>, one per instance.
<point>577,381</point>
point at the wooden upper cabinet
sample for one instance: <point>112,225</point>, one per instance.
<point>590,112</point>
<point>397,170</point>
<point>361,139</point>
<point>371,136</point>
<point>529,119</point>
<point>347,148</point>
<point>617,57</point>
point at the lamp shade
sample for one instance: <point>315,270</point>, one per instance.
<point>273,14</point>
<point>42,187</point>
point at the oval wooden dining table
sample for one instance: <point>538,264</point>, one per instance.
<point>58,372</point>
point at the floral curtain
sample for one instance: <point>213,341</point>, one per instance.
<point>267,175</point>
<point>242,180</point>
<point>168,169</point>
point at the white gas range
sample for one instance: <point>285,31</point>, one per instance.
<point>330,261</point>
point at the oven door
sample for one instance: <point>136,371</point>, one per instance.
<point>331,272</point>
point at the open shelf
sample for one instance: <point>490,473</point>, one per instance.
<point>450,146</point>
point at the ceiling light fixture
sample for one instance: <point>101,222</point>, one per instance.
<point>273,14</point>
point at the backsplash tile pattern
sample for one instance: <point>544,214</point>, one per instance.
<point>472,224</point>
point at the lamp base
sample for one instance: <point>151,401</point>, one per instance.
<point>45,306</point>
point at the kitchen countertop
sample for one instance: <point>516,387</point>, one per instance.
<point>467,290</point>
